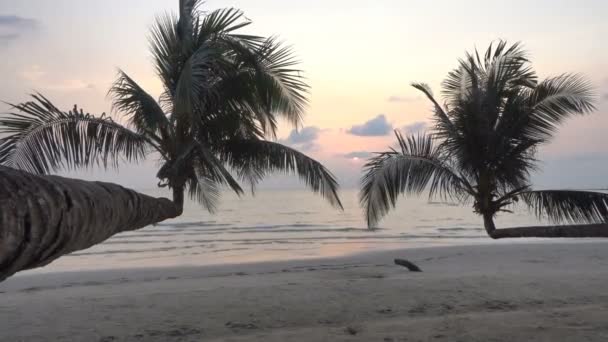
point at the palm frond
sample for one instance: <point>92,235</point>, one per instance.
<point>204,190</point>
<point>194,90</point>
<point>239,95</point>
<point>502,68</point>
<point>555,100</point>
<point>272,76</point>
<point>41,139</point>
<point>213,168</point>
<point>254,159</point>
<point>568,206</point>
<point>166,51</point>
<point>222,21</point>
<point>444,127</point>
<point>196,161</point>
<point>142,110</point>
<point>417,166</point>
<point>505,67</point>
<point>281,84</point>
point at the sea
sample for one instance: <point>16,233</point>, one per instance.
<point>278,225</point>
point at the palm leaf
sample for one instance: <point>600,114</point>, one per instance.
<point>205,191</point>
<point>42,139</point>
<point>222,21</point>
<point>212,167</point>
<point>141,108</point>
<point>254,159</point>
<point>555,100</point>
<point>193,90</point>
<point>417,166</point>
<point>166,50</point>
<point>570,206</point>
<point>198,162</point>
<point>444,126</point>
<point>279,86</point>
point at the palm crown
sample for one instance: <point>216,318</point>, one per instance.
<point>223,94</point>
<point>482,145</point>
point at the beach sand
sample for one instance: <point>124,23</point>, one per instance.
<point>504,292</point>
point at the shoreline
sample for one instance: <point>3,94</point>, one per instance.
<point>50,272</point>
<point>500,292</point>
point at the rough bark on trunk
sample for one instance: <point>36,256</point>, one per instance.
<point>45,217</point>
<point>565,231</point>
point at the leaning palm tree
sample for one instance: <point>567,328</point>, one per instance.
<point>45,217</point>
<point>481,148</point>
<point>213,126</point>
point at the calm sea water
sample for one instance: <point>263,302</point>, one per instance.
<point>280,225</point>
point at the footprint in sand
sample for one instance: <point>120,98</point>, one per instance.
<point>237,325</point>
<point>107,339</point>
<point>385,311</point>
<point>499,305</point>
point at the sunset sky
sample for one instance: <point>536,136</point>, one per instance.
<point>359,58</point>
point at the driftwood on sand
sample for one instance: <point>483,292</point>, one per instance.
<point>409,265</point>
<point>45,217</point>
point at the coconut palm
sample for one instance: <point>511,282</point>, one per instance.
<point>213,126</point>
<point>481,147</point>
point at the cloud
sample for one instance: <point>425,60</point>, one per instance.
<point>304,135</point>
<point>13,27</point>
<point>415,128</point>
<point>375,127</point>
<point>32,73</point>
<point>303,139</point>
<point>38,78</point>
<point>16,21</point>
<point>69,85</point>
<point>357,155</point>
<point>397,98</point>
<point>7,37</point>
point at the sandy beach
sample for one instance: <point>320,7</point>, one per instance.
<point>516,292</point>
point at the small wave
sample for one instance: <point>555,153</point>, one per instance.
<point>297,213</point>
<point>137,242</point>
<point>327,230</point>
<point>228,250</point>
<point>459,229</point>
<point>192,224</point>
<point>261,229</point>
<point>272,242</point>
<point>448,204</point>
<point>136,251</point>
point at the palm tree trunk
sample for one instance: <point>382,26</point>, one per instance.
<point>488,223</point>
<point>569,231</point>
<point>45,217</point>
<point>178,199</point>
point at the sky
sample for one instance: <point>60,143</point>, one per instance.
<point>359,58</point>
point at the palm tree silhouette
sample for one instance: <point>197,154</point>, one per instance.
<point>482,147</point>
<point>223,95</point>
<point>213,126</point>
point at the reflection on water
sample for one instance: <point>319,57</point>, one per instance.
<point>280,225</point>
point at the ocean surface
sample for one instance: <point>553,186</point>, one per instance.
<point>283,225</point>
